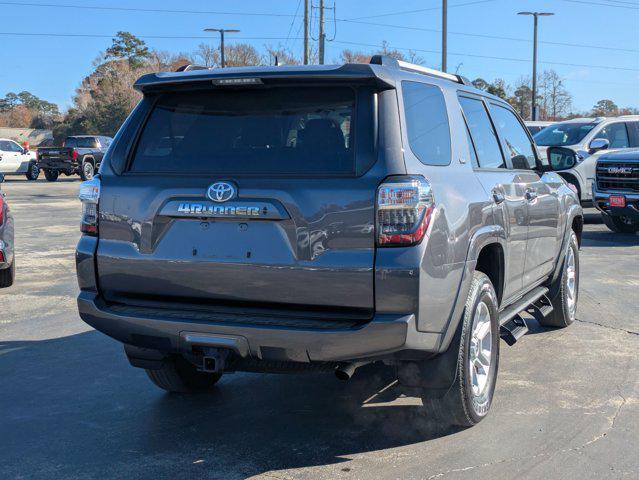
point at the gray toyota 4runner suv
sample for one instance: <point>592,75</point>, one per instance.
<point>317,218</point>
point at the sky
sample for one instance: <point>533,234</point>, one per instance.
<point>590,43</point>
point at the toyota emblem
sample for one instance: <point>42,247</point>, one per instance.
<point>221,191</point>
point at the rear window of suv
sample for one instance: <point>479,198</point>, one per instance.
<point>297,130</point>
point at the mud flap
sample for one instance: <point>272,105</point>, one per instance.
<point>433,376</point>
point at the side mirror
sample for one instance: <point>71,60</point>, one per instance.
<point>598,144</point>
<point>25,151</point>
<point>561,158</point>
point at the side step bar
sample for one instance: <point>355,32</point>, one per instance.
<point>512,325</point>
<point>513,330</point>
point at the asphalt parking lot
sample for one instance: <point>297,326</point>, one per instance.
<point>567,401</point>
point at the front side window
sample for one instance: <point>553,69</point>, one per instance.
<point>427,123</point>
<point>616,134</point>
<point>482,132</point>
<point>11,147</point>
<point>296,130</point>
<point>516,142</point>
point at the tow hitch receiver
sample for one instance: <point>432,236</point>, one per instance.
<point>214,359</point>
<point>513,330</point>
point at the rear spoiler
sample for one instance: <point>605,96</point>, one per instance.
<point>376,75</point>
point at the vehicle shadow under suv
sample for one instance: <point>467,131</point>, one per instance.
<point>76,418</point>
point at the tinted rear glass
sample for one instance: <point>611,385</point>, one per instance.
<point>301,130</point>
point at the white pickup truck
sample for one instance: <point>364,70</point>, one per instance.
<point>15,160</point>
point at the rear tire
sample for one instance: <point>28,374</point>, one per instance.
<point>87,171</point>
<point>564,303</point>
<point>7,276</point>
<point>33,172</point>
<point>51,175</point>
<point>179,376</point>
<point>468,400</point>
<point>620,224</point>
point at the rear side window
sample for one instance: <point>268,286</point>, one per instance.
<point>426,123</point>
<point>87,142</point>
<point>71,142</point>
<point>484,137</point>
<point>297,130</point>
<point>517,145</point>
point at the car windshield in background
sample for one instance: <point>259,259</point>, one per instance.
<point>263,131</point>
<point>562,134</point>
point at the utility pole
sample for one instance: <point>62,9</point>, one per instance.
<point>535,15</point>
<point>305,32</point>
<point>322,35</point>
<point>444,34</point>
<point>221,31</point>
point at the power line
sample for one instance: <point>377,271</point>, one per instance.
<point>510,59</point>
<point>356,21</point>
<point>198,37</point>
<point>162,37</point>
<point>609,5</point>
<point>492,37</point>
<point>419,10</point>
<point>151,10</point>
<point>290,28</point>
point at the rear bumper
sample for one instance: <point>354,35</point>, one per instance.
<point>383,336</point>
<point>54,164</point>
<point>601,202</point>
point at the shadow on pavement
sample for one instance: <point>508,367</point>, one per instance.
<point>606,238</point>
<point>78,409</point>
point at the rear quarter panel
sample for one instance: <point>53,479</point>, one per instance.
<point>430,278</point>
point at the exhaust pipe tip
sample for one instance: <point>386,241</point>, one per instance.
<point>343,374</point>
<point>346,371</point>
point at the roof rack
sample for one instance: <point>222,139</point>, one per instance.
<point>387,61</point>
<point>190,66</point>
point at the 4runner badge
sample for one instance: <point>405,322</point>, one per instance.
<point>221,191</point>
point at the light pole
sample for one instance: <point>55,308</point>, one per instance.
<point>535,16</point>
<point>222,32</point>
<point>444,35</point>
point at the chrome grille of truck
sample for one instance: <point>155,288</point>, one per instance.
<point>618,176</point>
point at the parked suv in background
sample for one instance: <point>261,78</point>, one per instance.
<point>80,154</point>
<point>322,217</point>
<point>589,138</point>
<point>16,160</point>
<point>616,191</point>
<point>536,126</point>
<point>7,262</point>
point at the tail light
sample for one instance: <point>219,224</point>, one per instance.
<point>90,197</point>
<point>1,209</point>
<point>74,154</point>
<point>404,207</point>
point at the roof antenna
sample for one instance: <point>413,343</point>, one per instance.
<point>277,62</point>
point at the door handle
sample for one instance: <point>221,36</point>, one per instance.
<point>531,194</point>
<point>498,197</point>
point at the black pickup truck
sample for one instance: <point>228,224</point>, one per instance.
<point>80,154</point>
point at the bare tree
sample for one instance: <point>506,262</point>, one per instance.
<point>241,55</point>
<point>207,55</point>
<point>555,101</point>
<point>285,56</point>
